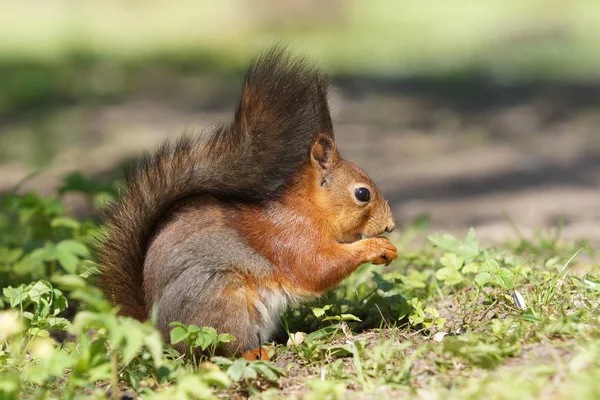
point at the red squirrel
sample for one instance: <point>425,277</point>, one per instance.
<point>226,228</point>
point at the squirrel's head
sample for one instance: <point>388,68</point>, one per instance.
<point>355,205</point>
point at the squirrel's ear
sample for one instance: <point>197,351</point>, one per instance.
<point>324,155</point>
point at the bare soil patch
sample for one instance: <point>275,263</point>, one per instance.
<point>465,158</point>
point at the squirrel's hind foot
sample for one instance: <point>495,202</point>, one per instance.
<point>260,353</point>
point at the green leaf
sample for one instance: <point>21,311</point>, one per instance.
<point>343,317</point>
<point>505,278</point>
<point>236,370</point>
<point>68,261</point>
<point>194,329</point>
<point>483,278</point>
<point>38,332</point>
<point>36,375</point>
<point>415,302</point>
<point>327,389</point>
<point>73,247</point>
<point>38,290</point>
<point>59,323</point>
<point>27,315</point>
<point>10,386</point>
<point>178,334</point>
<point>134,340</point>
<point>268,370</point>
<point>325,332</point>
<point>434,313</point>
<point>415,279</point>
<point>319,312</point>
<point>471,268</point>
<point>84,320</point>
<point>382,283</point>
<point>222,360</point>
<point>350,317</point>
<point>467,250</point>
<point>99,373</point>
<point>70,282</point>
<point>225,338</point>
<point>50,252</point>
<point>59,362</point>
<point>9,256</point>
<point>340,350</point>
<point>204,340</point>
<point>43,308</point>
<point>65,222</point>
<point>215,377</point>
<point>15,295</point>
<point>55,366</point>
<point>154,343</point>
<point>31,262</point>
<point>451,260</point>
<point>192,387</point>
<point>249,373</point>
<point>451,276</point>
<point>445,242</point>
<point>490,266</point>
<point>97,353</point>
<point>59,301</point>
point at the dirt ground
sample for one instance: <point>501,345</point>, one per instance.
<point>480,156</point>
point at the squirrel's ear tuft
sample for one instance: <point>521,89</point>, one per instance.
<point>324,155</point>
<point>283,95</point>
<point>325,124</point>
<point>282,109</point>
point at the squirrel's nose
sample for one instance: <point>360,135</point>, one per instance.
<point>389,219</point>
<point>390,227</point>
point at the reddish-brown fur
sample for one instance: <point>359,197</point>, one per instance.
<point>227,229</point>
<point>303,241</point>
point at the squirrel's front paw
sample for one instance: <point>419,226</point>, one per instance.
<point>380,251</point>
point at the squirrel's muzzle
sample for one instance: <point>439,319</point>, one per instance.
<point>389,218</point>
<point>390,227</point>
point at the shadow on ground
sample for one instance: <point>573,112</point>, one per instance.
<point>464,150</point>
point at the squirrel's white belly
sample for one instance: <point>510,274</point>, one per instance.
<point>270,305</point>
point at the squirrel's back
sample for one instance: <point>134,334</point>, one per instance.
<point>283,103</point>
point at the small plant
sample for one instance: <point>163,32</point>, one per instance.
<point>206,339</point>
<point>481,350</point>
<point>39,241</point>
<point>443,321</point>
<point>426,317</point>
<point>40,304</point>
<point>200,384</point>
<point>250,374</point>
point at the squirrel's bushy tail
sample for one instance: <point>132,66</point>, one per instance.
<point>283,105</point>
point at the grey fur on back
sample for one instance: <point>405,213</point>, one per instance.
<point>197,276</point>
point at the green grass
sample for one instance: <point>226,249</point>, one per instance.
<point>440,322</point>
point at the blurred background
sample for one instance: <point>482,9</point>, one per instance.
<point>466,112</point>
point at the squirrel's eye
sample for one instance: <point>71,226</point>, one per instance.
<point>362,194</point>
